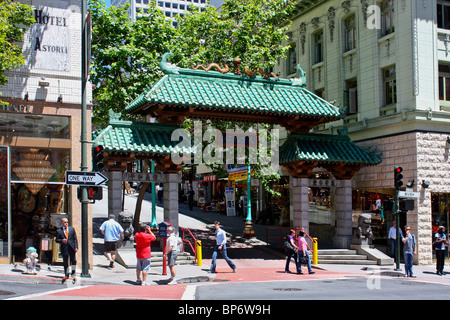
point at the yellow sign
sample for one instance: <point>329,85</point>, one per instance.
<point>237,176</point>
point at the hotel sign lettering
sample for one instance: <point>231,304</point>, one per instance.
<point>51,39</point>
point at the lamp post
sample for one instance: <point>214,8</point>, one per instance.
<point>249,232</point>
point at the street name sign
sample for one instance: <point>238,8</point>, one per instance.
<point>408,194</point>
<point>85,178</point>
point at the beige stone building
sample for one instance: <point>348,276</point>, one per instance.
<point>387,65</point>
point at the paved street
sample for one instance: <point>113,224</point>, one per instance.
<point>260,273</point>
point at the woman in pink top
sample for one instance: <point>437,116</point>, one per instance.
<point>303,251</point>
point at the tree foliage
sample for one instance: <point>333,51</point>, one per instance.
<point>125,55</point>
<point>15,18</point>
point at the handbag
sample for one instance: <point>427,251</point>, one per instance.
<point>288,248</point>
<point>302,259</point>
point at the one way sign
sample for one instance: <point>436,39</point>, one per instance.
<point>85,178</point>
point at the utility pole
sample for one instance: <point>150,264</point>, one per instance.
<point>84,143</point>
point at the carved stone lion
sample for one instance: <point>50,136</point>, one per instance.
<point>126,221</point>
<point>364,233</point>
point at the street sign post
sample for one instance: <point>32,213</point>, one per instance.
<point>85,178</point>
<point>408,194</point>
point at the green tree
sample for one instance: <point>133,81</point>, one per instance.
<point>15,18</point>
<point>250,30</point>
<point>125,55</point>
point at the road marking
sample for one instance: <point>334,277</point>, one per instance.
<point>46,293</point>
<point>189,293</point>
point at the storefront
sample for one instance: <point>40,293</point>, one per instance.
<point>440,205</point>
<point>36,150</point>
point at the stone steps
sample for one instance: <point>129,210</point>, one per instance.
<point>343,256</point>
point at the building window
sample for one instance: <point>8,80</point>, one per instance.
<point>320,93</point>
<point>318,47</point>
<point>443,15</point>
<point>387,17</point>
<point>145,2</point>
<point>291,61</point>
<point>390,86</point>
<point>351,97</point>
<point>349,34</point>
<point>444,82</point>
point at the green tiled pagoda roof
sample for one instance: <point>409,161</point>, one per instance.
<point>138,137</point>
<point>325,148</point>
<point>212,90</point>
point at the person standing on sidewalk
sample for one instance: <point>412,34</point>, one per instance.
<point>143,240</point>
<point>67,239</point>
<point>221,246</point>
<point>393,239</point>
<point>409,250</point>
<point>113,232</point>
<point>303,252</point>
<point>172,251</point>
<point>190,195</point>
<point>440,241</point>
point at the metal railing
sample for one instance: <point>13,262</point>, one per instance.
<point>193,246</point>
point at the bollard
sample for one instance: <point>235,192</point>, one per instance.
<point>315,251</point>
<point>199,253</point>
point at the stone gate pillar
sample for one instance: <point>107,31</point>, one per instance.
<point>343,238</point>
<point>299,200</point>
<point>172,181</point>
<point>114,193</point>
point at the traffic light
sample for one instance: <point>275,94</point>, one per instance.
<point>398,176</point>
<point>407,205</point>
<point>94,193</point>
<point>97,156</point>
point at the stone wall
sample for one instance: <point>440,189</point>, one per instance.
<point>423,156</point>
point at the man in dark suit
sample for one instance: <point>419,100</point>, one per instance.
<point>67,239</point>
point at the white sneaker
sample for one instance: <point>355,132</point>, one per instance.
<point>172,281</point>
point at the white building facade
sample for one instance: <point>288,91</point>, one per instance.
<point>40,130</point>
<point>387,65</point>
<point>171,8</point>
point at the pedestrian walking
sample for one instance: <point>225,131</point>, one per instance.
<point>409,250</point>
<point>303,254</point>
<point>67,239</point>
<point>113,232</point>
<point>392,236</point>
<point>291,252</point>
<point>190,195</point>
<point>160,193</point>
<point>221,246</point>
<point>143,240</point>
<point>440,241</point>
<point>172,244</point>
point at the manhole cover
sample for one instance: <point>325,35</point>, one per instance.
<point>6,293</point>
<point>287,289</point>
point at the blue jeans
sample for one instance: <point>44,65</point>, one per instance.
<point>288,261</point>
<point>224,254</point>
<point>408,263</point>
<point>300,253</point>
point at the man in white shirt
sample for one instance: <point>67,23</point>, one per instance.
<point>113,232</point>
<point>221,246</point>
<point>393,239</point>
<point>172,251</point>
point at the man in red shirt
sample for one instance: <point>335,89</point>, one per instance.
<point>143,240</point>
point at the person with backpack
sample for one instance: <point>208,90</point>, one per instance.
<point>291,251</point>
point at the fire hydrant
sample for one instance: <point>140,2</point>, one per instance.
<point>31,261</point>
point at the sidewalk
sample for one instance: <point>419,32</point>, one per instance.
<point>260,256</point>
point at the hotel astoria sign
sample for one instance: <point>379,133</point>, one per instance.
<point>51,38</point>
